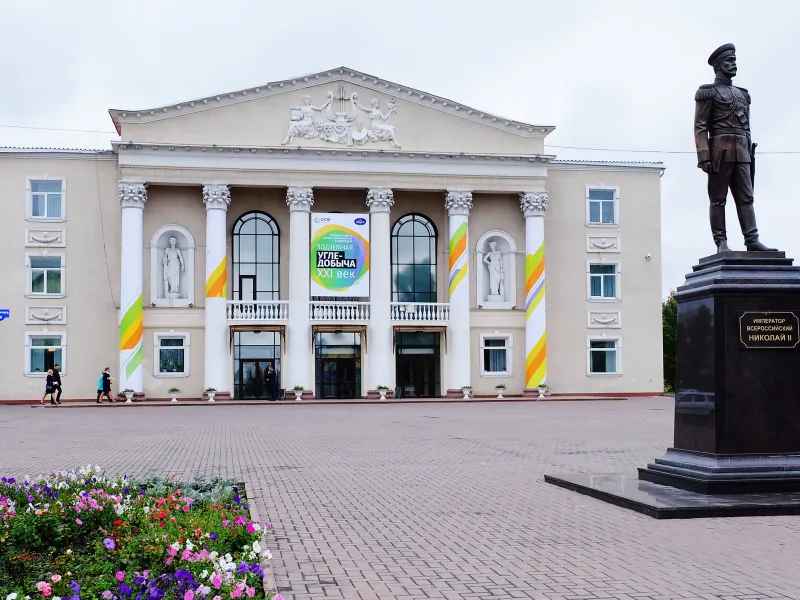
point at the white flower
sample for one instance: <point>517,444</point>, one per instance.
<point>267,554</point>
<point>147,509</point>
<point>204,574</point>
<point>119,509</point>
<point>176,546</point>
<point>69,551</point>
<point>12,596</point>
<point>213,556</point>
<point>56,597</point>
<point>257,526</point>
<point>189,545</point>
<point>228,557</point>
<point>251,556</point>
<point>256,547</point>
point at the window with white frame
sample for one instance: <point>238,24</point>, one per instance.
<point>603,281</point>
<point>496,351</point>
<point>47,199</point>
<point>171,354</point>
<point>604,357</point>
<point>46,275</point>
<point>44,351</point>
<point>602,206</point>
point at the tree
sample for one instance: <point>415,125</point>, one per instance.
<point>669,320</point>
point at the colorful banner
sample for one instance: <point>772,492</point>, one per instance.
<point>340,255</point>
<point>535,318</point>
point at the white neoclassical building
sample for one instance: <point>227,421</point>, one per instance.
<point>347,231</point>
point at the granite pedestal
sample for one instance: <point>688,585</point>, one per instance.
<point>737,404</point>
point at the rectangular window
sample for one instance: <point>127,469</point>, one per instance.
<point>44,352</point>
<point>171,355</point>
<point>603,356</point>
<point>47,199</point>
<point>496,355</point>
<point>602,207</point>
<point>603,281</point>
<point>45,275</point>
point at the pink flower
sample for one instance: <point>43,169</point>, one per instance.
<point>225,523</point>
<point>278,597</point>
<point>216,581</point>
<point>186,508</point>
<point>189,595</point>
<point>251,591</point>
<point>41,585</point>
<point>79,522</point>
<point>250,528</point>
<point>169,560</point>
<point>120,575</point>
<point>236,592</point>
<point>56,578</point>
<point>217,597</point>
<point>108,595</point>
<point>186,554</point>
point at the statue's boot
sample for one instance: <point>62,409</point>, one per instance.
<point>747,221</point>
<point>716,215</point>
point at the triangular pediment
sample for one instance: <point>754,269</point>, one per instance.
<point>336,108</point>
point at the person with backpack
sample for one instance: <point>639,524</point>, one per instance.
<point>104,386</point>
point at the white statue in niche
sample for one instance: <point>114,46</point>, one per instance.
<point>173,266</point>
<point>494,261</point>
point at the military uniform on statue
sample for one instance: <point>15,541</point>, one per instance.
<point>725,150</point>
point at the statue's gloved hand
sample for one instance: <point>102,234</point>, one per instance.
<point>705,165</point>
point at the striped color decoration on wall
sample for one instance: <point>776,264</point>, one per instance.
<point>458,257</point>
<point>535,320</point>
<point>130,337</point>
<point>216,286</point>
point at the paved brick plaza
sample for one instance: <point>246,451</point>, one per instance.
<point>433,501</point>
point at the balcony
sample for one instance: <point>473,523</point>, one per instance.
<point>259,311</point>
<point>339,312</point>
<point>420,313</point>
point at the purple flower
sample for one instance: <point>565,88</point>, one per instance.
<point>235,490</point>
<point>243,568</point>
<point>109,544</point>
<point>257,570</point>
<point>11,480</point>
<point>245,506</point>
<point>141,492</point>
<point>237,499</point>
<point>213,536</point>
<point>47,489</point>
<point>55,495</point>
<point>75,587</point>
<point>125,589</point>
<point>228,506</point>
<point>126,491</point>
<point>30,498</point>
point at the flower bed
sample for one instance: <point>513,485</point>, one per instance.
<point>82,536</point>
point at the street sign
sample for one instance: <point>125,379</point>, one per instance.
<point>4,314</point>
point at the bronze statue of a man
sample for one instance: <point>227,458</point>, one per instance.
<point>725,150</point>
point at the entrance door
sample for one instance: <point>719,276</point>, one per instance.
<point>417,365</point>
<point>338,378</point>
<point>253,385</point>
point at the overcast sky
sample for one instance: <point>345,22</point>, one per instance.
<point>611,74</point>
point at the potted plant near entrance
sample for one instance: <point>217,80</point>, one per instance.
<point>543,389</point>
<point>128,393</point>
<point>298,392</point>
<point>174,392</point>
<point>500,389</point>
<point>382,390</point>
<point>210,391</point>
<point>466,389</point>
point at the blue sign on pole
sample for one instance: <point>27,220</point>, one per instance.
<point>4,314</point>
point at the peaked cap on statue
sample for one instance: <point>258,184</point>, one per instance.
<point>721,52</point>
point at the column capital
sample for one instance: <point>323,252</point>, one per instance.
<point>132,194</point>
<point>380,200</point>
<point>299,199</point>
<point>216,196</point>
<point>533,204</point>
<point>458,202</point>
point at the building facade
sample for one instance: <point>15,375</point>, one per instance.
<point>348,231</point>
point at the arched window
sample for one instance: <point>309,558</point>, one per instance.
<point>414,259</point>
<point>256,257</point>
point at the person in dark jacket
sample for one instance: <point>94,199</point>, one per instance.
<point>57,383</point>
<point>104,386</point>
<point>271,379</point>
<point>49,388</point>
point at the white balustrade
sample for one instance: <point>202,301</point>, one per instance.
<point>339,311</point>
<point>259,310</point>
<point>421,311</point>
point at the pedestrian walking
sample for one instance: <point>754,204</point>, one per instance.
<point>104,386</point>
<point>57,382</point>
<point>49,388</point>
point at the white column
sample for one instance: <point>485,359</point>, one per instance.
<point>217,198</point>
<point>132,197</point>
<point>297,366</point>
<point>458,204</point>
<point>381,367</point>
<point>534,207</point>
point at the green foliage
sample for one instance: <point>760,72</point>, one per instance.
<point>669,321</point>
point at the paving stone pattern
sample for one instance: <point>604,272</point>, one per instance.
<point>433,501</point>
